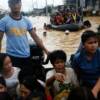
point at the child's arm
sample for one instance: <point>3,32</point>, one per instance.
<point>50,81</point>
<point>58,76</point>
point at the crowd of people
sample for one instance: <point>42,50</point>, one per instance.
<point>20,75</point>
<point>67,16</point>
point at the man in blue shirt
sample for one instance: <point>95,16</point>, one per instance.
<point>86,63</point>
<point>15,26</point>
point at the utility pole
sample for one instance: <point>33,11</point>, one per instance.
<point>46,8</point>
<point>53,3</point>
<point>52,6</point>
<point>32,5</point>
<point>76,5</point>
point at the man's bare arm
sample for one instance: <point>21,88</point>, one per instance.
<point>38,40</point>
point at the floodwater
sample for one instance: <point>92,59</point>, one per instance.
<point>57,39</point>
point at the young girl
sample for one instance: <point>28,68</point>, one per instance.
<point>61,77</point>
<point>9,73</point>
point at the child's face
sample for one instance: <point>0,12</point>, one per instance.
<point>59,65</point>
<point>91,45</point>
<point>2,88</point>
<point>24,92</point>
<point>7,65</point>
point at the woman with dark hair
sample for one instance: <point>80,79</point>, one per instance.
<point>9,73</point>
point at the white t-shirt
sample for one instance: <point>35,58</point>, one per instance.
<point>69,78</point>
<point>12,81</point>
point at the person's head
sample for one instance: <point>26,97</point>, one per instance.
<point>28,86</point>
<point>81,93</point>
<point>58,59</point>
<point>89,41</point>
<point>87,24</point>
<point>15,5</point>
<point>2,84</point>
<point>5,62</point>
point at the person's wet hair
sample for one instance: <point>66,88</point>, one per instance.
<point>86,35</point>
<point>81,93</point>
<point>87,23</point>
<point>56,54</point>
<point>31,83</point>
<point>13,2</point>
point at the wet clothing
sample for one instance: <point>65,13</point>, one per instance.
<point>15,30</point>
<point>88,71</point>
<point>69,82</point>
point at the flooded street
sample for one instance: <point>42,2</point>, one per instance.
<point>59,40</point>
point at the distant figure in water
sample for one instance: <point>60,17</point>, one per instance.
<point>67,32</point>
<point>47,26</point>
<point>87,24</point>
<point>45,34</point>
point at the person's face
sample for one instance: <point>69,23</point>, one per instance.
<point>16,8</point>
<point>24,92</point>
<point>2,88</point>
<point>59,65</point>
<point>7,65</point>
<point>91,45</point>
